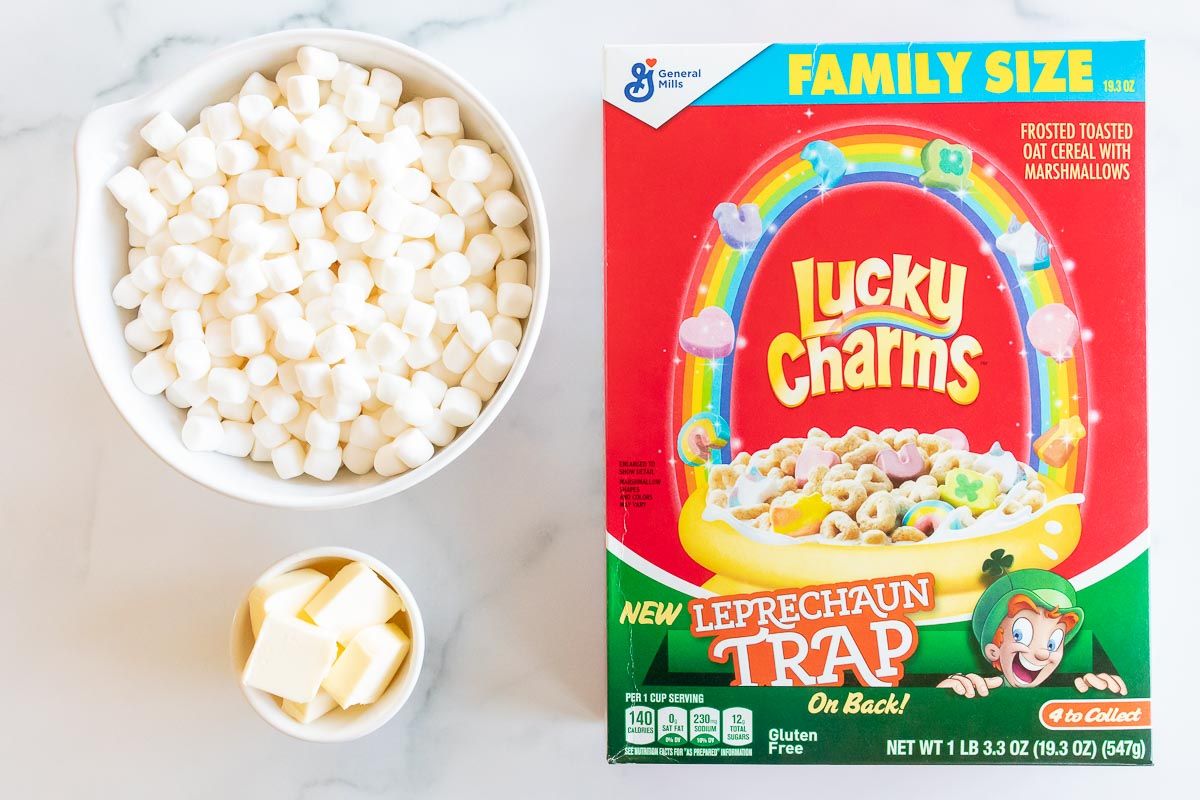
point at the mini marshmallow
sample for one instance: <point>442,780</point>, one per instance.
<point>126,185</point>
<point>358,460</point>
<point>506,329</point>
<point>438,431</point>
<point>270,434</point>
<point>433,387</point>
<point>146,214</point>
<point>512,271</point>
<point>197,156</point>
<point>281,407</point>
<point>452,269</point>
<point>361,103</point>
<point>140,337</point>
<point>320,432</point>
<point>514,300</point>
<point>279,308</point>
<point>253,110</point>
<point>126,294</point>
<point>355,226</point>
<point>387,461</point>
<point>279,195</point>
<point>288,459</point>
<point>334,343</point>
<point>147,275</point>
<point>248,335</point>
<point>283,273</point>
<point>279,128</point>
<point>189,228</point>
<point>349,385</point>
<point>354,192</point>
<point>478,384</point>
<point>316,255</point>
<point>347,76</point>
<point>423,352</point>
<point>469,163</point>
<point>452,304</point>
<point>315,378</point>
<point>186,324</point>
<point>450,233</point>
<point>323,464</point>
<point>389,388</point>
<point>176,295</point>
<point>482,252</point>
<point>500,177</point>
<point>210,202</point>
<point>163,132</point>
<point>228,385</point>
<point>237,439</point>
<point>496,360</point>
<point>441,116</point>
<point>154,373</point>
<point>514,243</point>
<point>505,209</point>
<point>321,64</point>
<point>222,121</point>
<point>157,316</point>
<point>419,319</point>
<point>461,406</point>
<point>475,330</point>
<point>387,85</point>
<point>412,448</point>
<point>261,369</point>
<point>387,344</point>
<point>202,433</point>
<point>294,338</point>
<point>457,356</point>
<point>464,198</point>
<point>303,95</point>
<point>316,188</point>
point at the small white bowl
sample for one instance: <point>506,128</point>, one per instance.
<point>339,725</point>
<point>108,140</point>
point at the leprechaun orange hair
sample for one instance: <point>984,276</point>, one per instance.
<point>1022,602</point>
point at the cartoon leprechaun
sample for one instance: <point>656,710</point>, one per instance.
<point>1023,622</point>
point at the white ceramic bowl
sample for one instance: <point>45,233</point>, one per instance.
<point>338,725</point>
<point>108,140</point>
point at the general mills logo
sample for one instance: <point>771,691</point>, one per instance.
<point>641,88</point>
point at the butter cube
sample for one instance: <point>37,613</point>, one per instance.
<point>284,594</point>
<point>367,665</point>
<point>356,598</point>
<point>316,708</point>
<point>290,658</point>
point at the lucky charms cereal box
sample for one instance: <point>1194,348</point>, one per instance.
<point>876,411</point>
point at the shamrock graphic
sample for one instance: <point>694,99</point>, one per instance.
<point>997,564</point>
<point>951,162</point>
<point>966,488</point>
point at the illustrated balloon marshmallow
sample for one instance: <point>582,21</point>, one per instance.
<point>1024,245</point>
<point>947,166</point>
<point>709,334</point>
<point>1056,446</point>
<point>827,161</point>
<point>903,465</point>
<point>741,227</point>
<point>1053,331</point>
<point>700,436</point>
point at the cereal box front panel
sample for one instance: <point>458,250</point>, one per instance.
<point>876,415</point>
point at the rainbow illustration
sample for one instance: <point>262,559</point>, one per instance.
<point>902,318</point>
<point>782,187</point>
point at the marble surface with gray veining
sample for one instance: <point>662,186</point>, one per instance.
<point>119,576</point>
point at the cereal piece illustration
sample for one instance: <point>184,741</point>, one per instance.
<point>1056,446</point>
<point>947,166</point>
<point>700,435</point>
<point>753,488</point>
<point>956,438</point>
<point>927,516</point>
<point>966,487</point>
<point>1053,330</point>
<point>901,466</point>
<point>803,518</point>
<point>709,334</point>
<point>827,161</point>
<point>998,460</point>
<point>1025,245</point>
<point>813,455</point>
<point>741,226</point>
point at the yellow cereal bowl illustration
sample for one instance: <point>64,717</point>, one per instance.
<point>743,564</point>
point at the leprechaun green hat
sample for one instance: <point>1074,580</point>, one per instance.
<point>1047,590</point>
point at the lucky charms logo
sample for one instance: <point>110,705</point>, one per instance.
<point>641,88</point>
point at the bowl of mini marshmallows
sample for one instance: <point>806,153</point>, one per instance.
<point>311,271</point>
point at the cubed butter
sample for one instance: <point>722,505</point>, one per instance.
<point>290,658</point>
<point>285,594</point>
<point>356,598</point>
<point>316,708</point>
<point>367,665</point>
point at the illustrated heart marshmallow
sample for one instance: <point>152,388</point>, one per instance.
<point>709,334</point>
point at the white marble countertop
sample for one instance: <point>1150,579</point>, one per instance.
<point>120,575</point>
